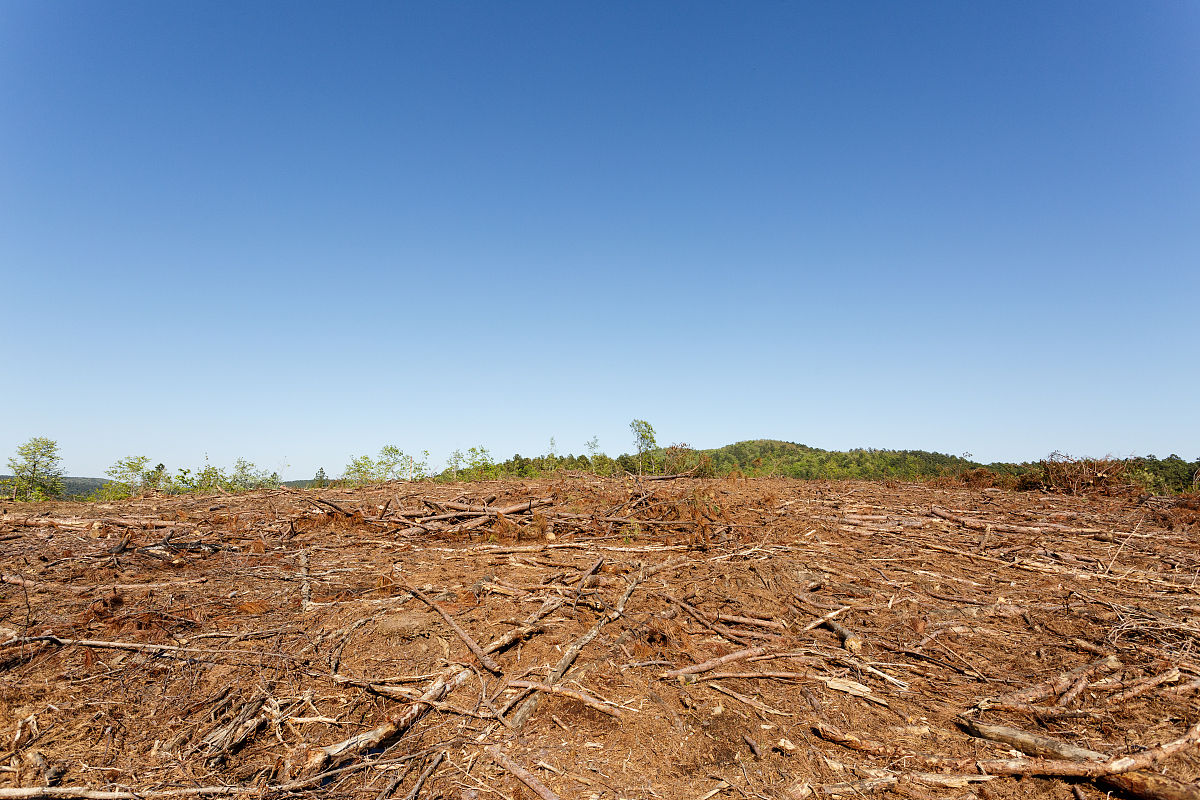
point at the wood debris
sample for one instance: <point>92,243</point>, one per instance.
<point>580,637</point>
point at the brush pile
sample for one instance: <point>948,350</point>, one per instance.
<point>682,639</point>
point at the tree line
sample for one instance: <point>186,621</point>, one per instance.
<point>37,472</point>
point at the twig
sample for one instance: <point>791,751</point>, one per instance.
<point>848,740</point>
<point>700,617</point>
<point>750,701</point>
<point>424,776</point>
<point>816,623</point>
<point>758,623</point>
<point>391,786</point>
<point>305,586</point>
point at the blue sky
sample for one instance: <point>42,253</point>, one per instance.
<point>294,232</point>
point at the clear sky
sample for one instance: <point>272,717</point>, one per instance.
<point>294,231</point>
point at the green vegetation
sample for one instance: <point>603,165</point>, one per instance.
<point>131,476</point>
<point>643,440</point>
<point>391,464</point>
<point>767,457</point>
<point>36,471</point>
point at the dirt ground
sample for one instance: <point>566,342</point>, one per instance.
<point>286,642</point>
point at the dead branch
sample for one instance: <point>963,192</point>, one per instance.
<point>473,645</point>
<point>424,776</point>
<point>848,740</point>
<point>1143,686</point>
<point>1148,785</point>
<point>322,758</point>
<point>136,647</point>
<point>1092,769</point>
<point>752,621</point>
<point>704,620</point>
<point>1061,683</point>
<point>583,697</point>
<point>818,622</point>
<point>850,640</point>
<point>713,663</point>
<point>520,773</point>
<point>522,714</point>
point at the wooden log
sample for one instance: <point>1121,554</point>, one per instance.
<point>850,640</point>
<point>1140,783</point>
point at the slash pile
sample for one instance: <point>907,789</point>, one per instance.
<point>587,638</point>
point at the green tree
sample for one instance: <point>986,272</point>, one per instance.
<point>643,439</point>
<point>129,477</point>
<point>247,476</point>
<point>37,470</point>
<point>360,470</point>
<point>480,464</point>
<point>454,463</point>
<point>391,463</point>
<point>155,477</point>
<point>319,480</point>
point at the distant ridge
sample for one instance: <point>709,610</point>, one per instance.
<point>74,488</point>
<point>792,460</point>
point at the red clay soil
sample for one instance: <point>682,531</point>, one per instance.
<point>272,643</point>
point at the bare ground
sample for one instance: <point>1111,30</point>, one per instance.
<point>271,643</point>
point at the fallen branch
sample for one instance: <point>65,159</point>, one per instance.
<point>520,773</point>
<point>1060,684</point>
<point>850,640</point>
<point>1092,769</point>
<point>1148,785</point>
<point>713,663</point>
<point>750,701</point>
<point>890,752</point>
<point>424,776</point>
<point>324,757</point>
<point>483,657</point>
<point>521,714</point>
<point>586,699</point>
<point>1143,686</point>
<point>819,621</point>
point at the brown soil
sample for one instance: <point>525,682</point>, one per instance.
<point>206,667</point>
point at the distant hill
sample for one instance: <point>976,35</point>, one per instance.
<point>74,488</point>
<point>791,460</point>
